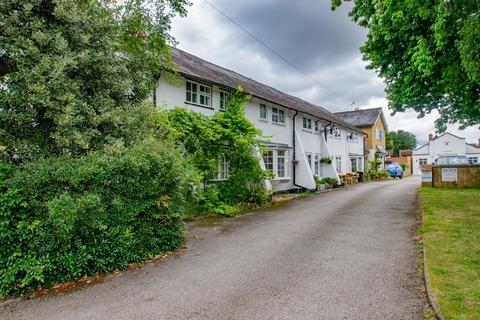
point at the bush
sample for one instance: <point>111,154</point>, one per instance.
<point>227,134</point>
<point>61,218</point>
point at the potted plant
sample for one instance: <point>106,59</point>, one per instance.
<point>326,160</point>
<point>295,162</point>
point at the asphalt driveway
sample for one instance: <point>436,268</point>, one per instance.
<point>347,254</point>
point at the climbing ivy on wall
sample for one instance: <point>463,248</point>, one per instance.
<point>227,134</point>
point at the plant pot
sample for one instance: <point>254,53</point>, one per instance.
<point>295,162</point>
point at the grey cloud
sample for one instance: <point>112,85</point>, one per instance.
<point>323,43</point>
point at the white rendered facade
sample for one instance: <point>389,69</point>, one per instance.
<point>277,124</point>
<point>444,145</point>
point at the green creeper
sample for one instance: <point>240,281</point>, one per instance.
<point>428,53</point>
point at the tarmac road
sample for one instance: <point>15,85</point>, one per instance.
<point>346,254</point>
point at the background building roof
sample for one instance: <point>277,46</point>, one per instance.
<point>193,67</point>
<point>362,117</point>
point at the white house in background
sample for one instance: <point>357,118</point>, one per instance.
<point>300,133</point>
<point>444,145</point>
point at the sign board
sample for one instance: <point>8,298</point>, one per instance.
<point>449,174</point>
<point>426,176</point>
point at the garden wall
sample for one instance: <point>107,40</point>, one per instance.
<point>451,176</point>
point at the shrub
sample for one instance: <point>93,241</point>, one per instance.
<point>61,218</point>
<point>227,134</point>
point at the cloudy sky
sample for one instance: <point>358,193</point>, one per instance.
<point>322,43</point>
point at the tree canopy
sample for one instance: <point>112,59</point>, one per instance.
<point>400,140</point>
<point>72,70</point>
<point>428,53</point>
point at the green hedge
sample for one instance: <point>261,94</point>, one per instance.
<point>65,217</point>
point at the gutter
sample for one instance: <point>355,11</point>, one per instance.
<point>325,130</point>
<point>221,85</point>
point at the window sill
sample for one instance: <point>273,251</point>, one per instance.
<point>307,130</point>
<point>263,120</point>
<point>280,180</point>
<point>199,105</point>
<point>218,180</point>
<point>279,124</point>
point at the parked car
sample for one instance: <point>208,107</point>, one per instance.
<point>452,160</point>
<point>395,170</point>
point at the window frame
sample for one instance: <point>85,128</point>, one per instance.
<point>197,93</point>
<point>338,163</point>
<point>279,156</point>
<point>316,126</point>
<point>316,164</point>
<point>264,106</point>
<point>225,94</point>
<point>470,159</point>
<point>379,134</point>
<point>276,112</point>
<point>309,159</point>
<point>223,168</point>
<point>307,124</point>
<point>337,134</point>
<point>268,154</point>
<point>420,160</point>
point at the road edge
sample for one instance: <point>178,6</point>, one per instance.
<point>431,300</point>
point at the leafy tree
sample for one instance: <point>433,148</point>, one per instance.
<point>400,140</point>
<point>71,69</point>
<point>428,54</point>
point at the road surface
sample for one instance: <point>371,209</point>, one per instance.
<point>346,254</point>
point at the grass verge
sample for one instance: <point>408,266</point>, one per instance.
<point>451,235</point>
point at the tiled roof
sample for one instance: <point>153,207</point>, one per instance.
<point>193,67</point>
<point>362,117</point>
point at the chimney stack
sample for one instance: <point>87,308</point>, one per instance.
<point>430,137</point>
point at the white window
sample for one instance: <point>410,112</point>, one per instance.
<point>223,100</point>
<point>278,115</point>
<point>263,112</point>
<point>199,94</point>
<point>282,169</point>
<point>353,137</point>
<point>307,123</point>
<point>222,169</point>
<point>317,165</point>
<point>308,156</point>
<point>268,159</point>
<point>422,161</point>
<point>338,163</point>
<point>316,126</point>
<point>379,134</point>
<point>337,133</point>
<point>276,161</point>
<point>356,164</point>
<point>473,160</point>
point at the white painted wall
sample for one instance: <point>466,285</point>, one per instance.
<point>171,94</point>
<point>446,144</point>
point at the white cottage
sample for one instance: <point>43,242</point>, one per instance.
<point>300,133</point>
<point>444,145</point>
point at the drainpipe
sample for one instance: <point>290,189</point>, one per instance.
<point>325,130</point>
<point>294,151</point>
<point>155,89</point>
